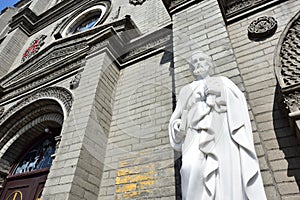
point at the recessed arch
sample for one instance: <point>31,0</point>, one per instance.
<point>26,121</point>
<point>25,126</point>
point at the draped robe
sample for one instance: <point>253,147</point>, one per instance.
<point>218,155</point>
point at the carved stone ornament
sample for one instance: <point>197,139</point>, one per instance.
<point>75,81</point>
<point>136,2</point>
<point>262,28</point>
<point>34,47</point>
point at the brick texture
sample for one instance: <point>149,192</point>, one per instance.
<point>139,160</point>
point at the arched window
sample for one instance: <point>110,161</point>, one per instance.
<point>86,20</point>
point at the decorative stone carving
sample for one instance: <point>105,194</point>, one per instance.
<point>75,81</point>
<point>34,47</point>
<point>59,93</point>
<point>137,2</point>
<point>262,28</point>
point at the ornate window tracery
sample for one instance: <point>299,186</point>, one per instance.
<point>287,69</point>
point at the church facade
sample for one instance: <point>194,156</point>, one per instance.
<point>87,88</point>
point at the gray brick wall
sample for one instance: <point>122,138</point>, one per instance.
<point>148,17</point>
<point>139,160</point>
<point>255,62</point>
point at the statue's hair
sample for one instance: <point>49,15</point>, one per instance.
<point>203,53</point>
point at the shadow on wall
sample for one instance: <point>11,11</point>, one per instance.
<point>168,58</point>
<point>288,144</point>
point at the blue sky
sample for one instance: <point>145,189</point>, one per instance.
<point>7,3</point>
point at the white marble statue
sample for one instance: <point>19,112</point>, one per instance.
<point>211,127</point>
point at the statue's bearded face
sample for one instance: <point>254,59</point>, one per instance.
<point>200,64</point>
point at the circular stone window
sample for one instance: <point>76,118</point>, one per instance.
<point>86,20</point>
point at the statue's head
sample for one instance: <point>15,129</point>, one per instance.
<point>200,63</point>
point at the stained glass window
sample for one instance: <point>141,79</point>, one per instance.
<point>38,157</point>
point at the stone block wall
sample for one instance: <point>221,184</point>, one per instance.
<point>10,49</point>
<point>148,17</point>
<point>256,64</point>
<point>139,159</point>
<point>5,17</point>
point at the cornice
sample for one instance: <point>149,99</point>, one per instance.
<point>174,6</point>
<point>32,23</point>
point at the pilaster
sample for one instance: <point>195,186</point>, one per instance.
<point>77,170</point>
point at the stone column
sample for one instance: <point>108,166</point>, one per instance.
<point>77,169</point>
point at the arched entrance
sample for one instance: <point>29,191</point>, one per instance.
<point>28,141</point>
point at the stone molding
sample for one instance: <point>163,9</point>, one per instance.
<point>234,10</point>
<point>151,43</point>
<point>61,94</point>
<point>27,20</point>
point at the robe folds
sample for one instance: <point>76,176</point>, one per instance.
<point>218,155</point>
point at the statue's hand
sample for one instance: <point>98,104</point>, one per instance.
<point>214,86</point>
<point>177,125</point>
<point>215,92</point>
<point>179,134</point>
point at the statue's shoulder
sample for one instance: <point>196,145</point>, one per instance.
<point>231,85</point>
<point>185,89</point>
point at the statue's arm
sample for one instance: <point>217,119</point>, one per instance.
<point>176,136</point>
